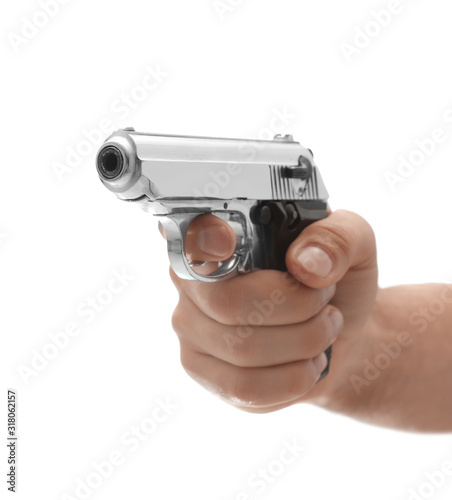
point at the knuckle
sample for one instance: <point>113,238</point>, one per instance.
<point>324,330</point>
<point>187,360</point>
<point>179,320</point>
<point>358,222</point>
<point>337,237</point>
<point>339,240</point>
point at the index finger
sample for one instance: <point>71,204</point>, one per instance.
<point>209,239</point>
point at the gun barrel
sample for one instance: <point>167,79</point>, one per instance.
<point>110,163</point>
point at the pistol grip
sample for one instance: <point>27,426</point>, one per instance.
<point>278,223</point>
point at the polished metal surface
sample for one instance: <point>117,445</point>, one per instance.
<point>179,178</point>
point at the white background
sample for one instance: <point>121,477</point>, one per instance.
<point>225,75</point>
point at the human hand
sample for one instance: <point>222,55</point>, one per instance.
<point>258,340</point>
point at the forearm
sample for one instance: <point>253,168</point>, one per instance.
<point>398,371</point>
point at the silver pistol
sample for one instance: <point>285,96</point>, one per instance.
<point>267,190</point>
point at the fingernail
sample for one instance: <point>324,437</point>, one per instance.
<point>328,293</point>
<point>337,322</point>
<point>320,362</point>
<point>315,261</point>
<point>214,240</point>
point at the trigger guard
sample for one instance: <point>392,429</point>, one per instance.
<point>176,228</point>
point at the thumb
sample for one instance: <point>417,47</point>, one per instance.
<point>339,249</point>
<point>327,249</point>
